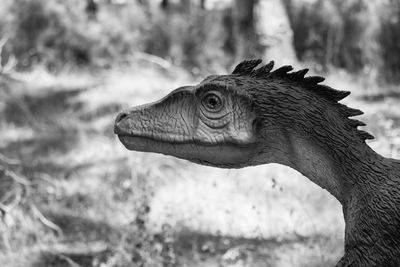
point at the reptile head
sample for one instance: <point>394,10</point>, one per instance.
<point>212,123</point>
<point>250,117</point>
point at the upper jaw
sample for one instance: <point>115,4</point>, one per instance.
<point>176,139</point>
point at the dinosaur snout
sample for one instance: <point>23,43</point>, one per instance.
<point>120,117</point>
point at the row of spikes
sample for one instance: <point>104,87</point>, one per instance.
<point>248,68</point>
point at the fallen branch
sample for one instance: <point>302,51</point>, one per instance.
<point>46,221</point>
<point>8,160</point>
<point>69,260</point>
<point>17,178</point>
<point>153,59</point>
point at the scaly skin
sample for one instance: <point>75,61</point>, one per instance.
<point>255,116</point>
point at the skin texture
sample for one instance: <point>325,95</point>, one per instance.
<point>257,116</point>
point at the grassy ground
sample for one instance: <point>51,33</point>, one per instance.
<point>71,195</point>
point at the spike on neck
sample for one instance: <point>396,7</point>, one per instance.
<point>306,127</point>
<point>311,84</point>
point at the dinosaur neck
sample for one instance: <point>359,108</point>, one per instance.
<point>335,168</point>
<point>314,135</point>
<point>335,162</point>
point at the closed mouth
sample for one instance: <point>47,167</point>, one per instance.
<point>177,140</point>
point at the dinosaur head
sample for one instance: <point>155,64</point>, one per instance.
<point>212,123</point>
<point>237,120</point>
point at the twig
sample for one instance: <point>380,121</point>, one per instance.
<point>17,199</point>
<point>4,208</point>
<point>69,260</point>
<point>46,221</point>
<point>9,161</point>
<point>11,63</point>
<point>17,178</point>
<point>153,59</point>
<point>47,178</point>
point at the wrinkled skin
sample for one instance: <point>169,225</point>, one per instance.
<point>255,116</point>
<point>206,124</point>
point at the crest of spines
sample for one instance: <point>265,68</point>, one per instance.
<point>248,68</point>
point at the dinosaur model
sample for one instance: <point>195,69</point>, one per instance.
<point>257,116</point>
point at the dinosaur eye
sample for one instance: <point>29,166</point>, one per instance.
<point>212,102</point>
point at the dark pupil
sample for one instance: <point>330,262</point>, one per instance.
<point>212,101</point>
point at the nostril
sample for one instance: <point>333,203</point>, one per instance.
<point>121,116</point>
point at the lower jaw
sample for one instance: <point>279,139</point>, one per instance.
<point>221,155</point>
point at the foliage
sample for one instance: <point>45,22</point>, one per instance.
<point>356,35</point>
<point>338,33</point>
<point>57,33</point>
<point>192,40</point>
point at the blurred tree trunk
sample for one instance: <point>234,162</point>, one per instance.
<point>91,9</point>
<point>288,4</point>
<point>242,31</point>
<point>203,4</point>
<point>389,42</point>
<point>164,4</point>
<point>227,21</point>
<point>243,15</point>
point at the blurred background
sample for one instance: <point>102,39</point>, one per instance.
<point>71,195</point>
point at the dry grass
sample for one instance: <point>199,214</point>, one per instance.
<point>71,195</point>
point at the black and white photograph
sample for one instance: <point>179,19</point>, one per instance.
<point>199,133</point>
